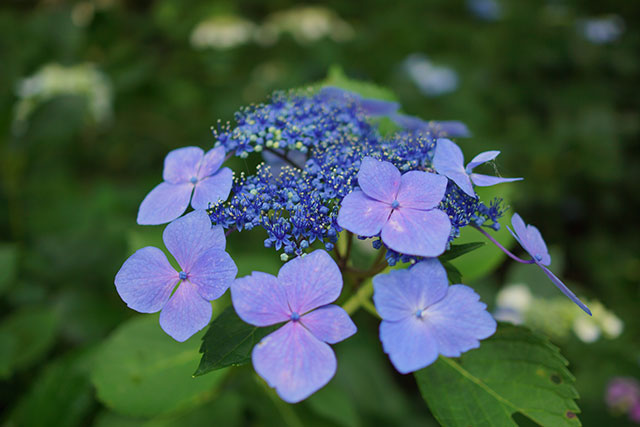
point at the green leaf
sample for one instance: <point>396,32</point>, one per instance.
<point>515,371</point>
<point>453,273</point>
<point>8,265</point>
<point>228,342</point>
<point>25,336</point>
<point>458,250</point>
<point>141,371</point>
<point>335,404</point>
<point>336,77</point>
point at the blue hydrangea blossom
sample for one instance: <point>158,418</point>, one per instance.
<point>449,161</point>
<point>189,175</point>
<point>296,359</point>
<point>423,317</point>
<point>401,208</point>
<point>531,240</point>
<point>148,283</point>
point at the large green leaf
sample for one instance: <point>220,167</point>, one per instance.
<point>8,265</point>
<point>336,77</point>
<point>515,371</point>
<point>456,251</point>
<point>228,342</point>
<point>141,371</point>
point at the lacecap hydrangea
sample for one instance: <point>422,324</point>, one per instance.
<point>327,170</point>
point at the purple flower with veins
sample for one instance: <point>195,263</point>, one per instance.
<point>187,171</point>
<point>147,282</point>
<point>401,208</point>
<point>449,161</point>
<point>422,316</point>
<point>296,359</point>
<point>531,240</point>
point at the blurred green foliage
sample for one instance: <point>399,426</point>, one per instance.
<point>563,111</point>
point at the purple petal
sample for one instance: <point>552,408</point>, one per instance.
<point>453,129</point>
<point>182,164</point>
<point>260,300</point>
<point>211,162</point>
<point>531,240</point>
<point>379,180</point>
<point>190,236</point>
<point>421,190</point>
<point>481,158</point>
<point>330,324</point>
<point>448,161</point>
<point>294,362</point>
<point>363,215</point>
<point>212,189</point>
<point>378,107</point>
<point>400,293</point>
<point>164,203</point>
<point>185,313</point>
<point>332,93</point>
<point>459,321</point>
<point>311,281</point>
<point>410,123</point>
<point>213,272</point>
<point>415,232</point>
<point>146,279</point>
<point>409,344</point>
<point>564,289</point>
<point>487,180</point>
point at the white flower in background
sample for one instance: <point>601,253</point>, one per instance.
<point>603,321</point>
<point>222,32</point>
<point>54,80</point>
<point>512,303</point>
<point>586,329</point>
<point>606,29</point>
<point>432,80</point>
<point>307,24</point>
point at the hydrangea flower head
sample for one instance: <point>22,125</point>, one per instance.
<point>296,359</point>
<point>401,208</point>
<point>531,240</point>
<point>370,106</point>
<point>190,175</point>
<point>449,161</point>
<point>146,281</point>
<point>422,316</point>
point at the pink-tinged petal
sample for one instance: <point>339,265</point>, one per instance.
<point>459,321</point>
<point>421,190</point>
<point>363,215</point>
<point>401,293</point>
<point>260,300</point>
<point>182,164</point>
<point>212,189</point>
<point>311,281</point>
<point>213,272</point>
<point>379,180</point>
<point>185,313</point>
<point>190,236</point>
<point>481,158</point>
<point>487,180</point>
<point>330,324</point>
<point>146,279</point>
<point>565,290</point>
<point>294,362</point>
<point>211,162</point>
<point>409,343</point>
<point>416,232</point>
<point>164,203</point>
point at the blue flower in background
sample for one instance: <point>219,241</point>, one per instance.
<point>451,128</point>
<point>602,30</point>
<point>146,281</point>
<point>401,208</point>
<point>187,171</point>
<point>448,160</point>
<point>531,240</point>
<point>487,10</point>
<point>296,359</point>
<point>422,316</point>
<point>431,79</point>
<point>370,106</point>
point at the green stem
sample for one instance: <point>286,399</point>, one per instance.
<point>360,298</point>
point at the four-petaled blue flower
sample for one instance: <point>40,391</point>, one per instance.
<point>187,171</point>
<point>401,208</point>
<point>146,280</point>
<point>370,106</point>
<point>422,316</point>
<point>449,161</point>
<point>296,359</point>
<point>531,240</point>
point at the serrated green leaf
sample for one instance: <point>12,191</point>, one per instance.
<point>458,250</point>
<point>228,342</point>
<point>141,371</point>
<point>515,371</point>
